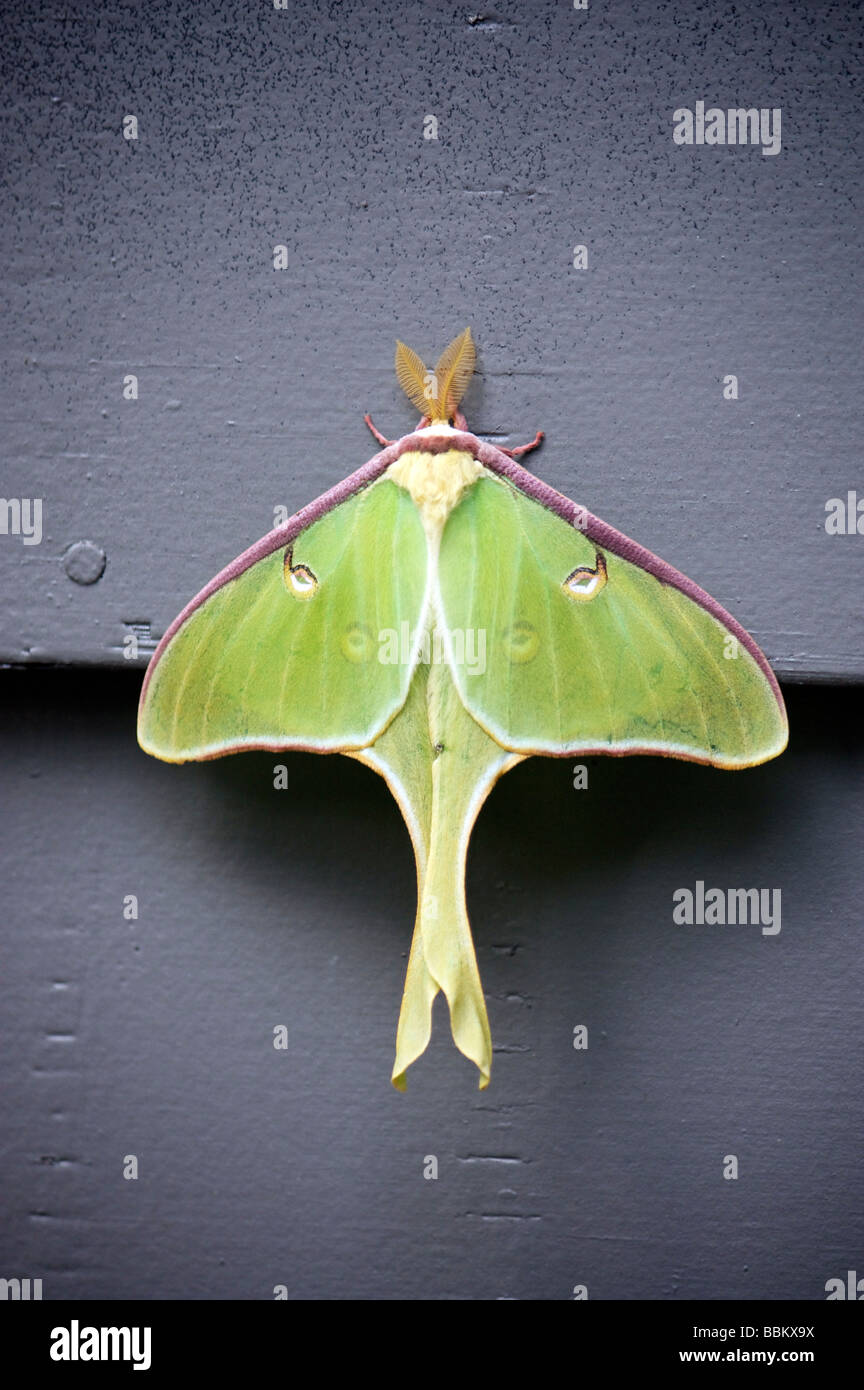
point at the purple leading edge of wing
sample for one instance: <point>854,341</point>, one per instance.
<point>589,525</point>
<point>281,536</point>
<point>609,539</point>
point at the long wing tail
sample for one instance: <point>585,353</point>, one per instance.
<point>440,766</point>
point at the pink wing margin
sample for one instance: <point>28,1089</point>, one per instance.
<point>579,517</point>
<point>275,539</point>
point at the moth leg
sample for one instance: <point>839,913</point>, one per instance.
<point>377,433</point>
<point>525,448</point>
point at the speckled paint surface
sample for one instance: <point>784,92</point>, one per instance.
<point>304,128</point>
<point>260,907</point>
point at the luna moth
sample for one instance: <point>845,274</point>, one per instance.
<point>440,615</point>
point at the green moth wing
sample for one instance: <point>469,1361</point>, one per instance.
<point>592,644</point>
<point>440,615</point>
<point>281,649</point>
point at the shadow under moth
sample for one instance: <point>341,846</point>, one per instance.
<point>440,615</point>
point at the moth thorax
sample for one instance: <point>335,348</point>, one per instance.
<point>435,481</point>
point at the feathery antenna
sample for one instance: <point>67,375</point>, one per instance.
<point>437,394</point>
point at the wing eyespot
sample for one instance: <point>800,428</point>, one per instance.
<point>299,579</point>
<point>521,643</point>
<point>585,583</point>
<point>357,644</point>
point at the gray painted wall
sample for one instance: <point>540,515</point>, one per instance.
<point>257,907</point>
<point>304,128</point>
<point>304,1167</point>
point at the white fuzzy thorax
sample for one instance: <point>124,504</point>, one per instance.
<point>435,481</point>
